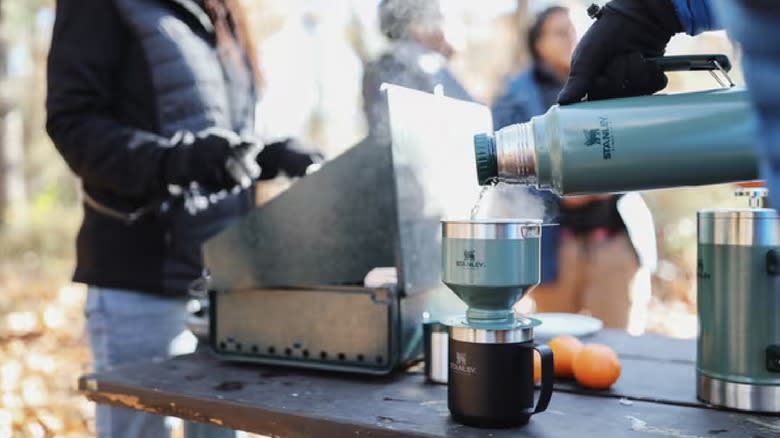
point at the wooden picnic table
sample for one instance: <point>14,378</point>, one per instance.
<point>655,396</point>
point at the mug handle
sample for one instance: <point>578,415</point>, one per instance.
<point>548,371</point>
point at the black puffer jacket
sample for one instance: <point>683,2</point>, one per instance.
<point>124,77</point>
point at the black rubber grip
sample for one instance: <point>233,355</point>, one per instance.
<point>693,62</point>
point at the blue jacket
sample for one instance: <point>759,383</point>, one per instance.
<point>696,15</point>
<point>521,101</point>
<point>124,77</point>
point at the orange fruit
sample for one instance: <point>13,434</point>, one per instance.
<point>596,366</point>
<point>537,367</point>
<point>564,349</point>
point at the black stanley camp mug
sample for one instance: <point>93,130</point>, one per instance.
<point>491,376</point>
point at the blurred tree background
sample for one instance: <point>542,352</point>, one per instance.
<point>312,52</point>
<point>42,347</point>
<point>37,191</point>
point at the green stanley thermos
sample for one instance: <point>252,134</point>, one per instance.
<point>738,360</point>
<point>619,145</point>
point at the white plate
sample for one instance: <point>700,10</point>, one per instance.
<point>556,324</point>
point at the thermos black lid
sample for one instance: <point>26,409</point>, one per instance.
<point>487,161</point>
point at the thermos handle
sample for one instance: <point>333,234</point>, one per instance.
<point>548,371</point>
<point>773,262</point>
<point>693,62</point>
<point>710,63</point>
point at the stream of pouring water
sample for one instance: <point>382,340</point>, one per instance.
<point>505,201</point>
<point>482,193</point>
<point>475,208</point>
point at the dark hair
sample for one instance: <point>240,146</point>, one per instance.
<point>535,31</point>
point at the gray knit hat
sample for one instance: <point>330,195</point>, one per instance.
<point>397,16</point>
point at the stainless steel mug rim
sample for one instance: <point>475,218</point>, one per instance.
<point>474,335</point>
<point>491,228</point>
<point>521,330</point>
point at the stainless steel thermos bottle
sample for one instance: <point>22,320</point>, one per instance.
<point>738,360</point>
<point>626,144</point>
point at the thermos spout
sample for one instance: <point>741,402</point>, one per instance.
<point>509,156</point>
<point>486,158</point>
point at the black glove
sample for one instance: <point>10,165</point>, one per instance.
<point>203,158</point>
<point>626,76</point>
<point>623,28</point>
<point>285,156</point>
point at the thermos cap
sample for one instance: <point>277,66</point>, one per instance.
<point>487,161</point>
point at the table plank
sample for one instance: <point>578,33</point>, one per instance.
<point>655,368</point>
<point>662,382</point>
<point>298,403</point>
<point>650,347</point>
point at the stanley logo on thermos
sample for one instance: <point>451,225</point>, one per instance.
<point>592,137</point>
<point>601,136</point>
<point>469,260</point>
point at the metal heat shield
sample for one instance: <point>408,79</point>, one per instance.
<point>435,174</point>
<point>288,276</point>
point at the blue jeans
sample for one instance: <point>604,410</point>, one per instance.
<point>126,327</point>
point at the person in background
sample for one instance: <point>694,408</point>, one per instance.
<point>417,58</point>
<point>606,256</point>
<point>551,41</point>
<point>151,104</point>
<point>590,263</point>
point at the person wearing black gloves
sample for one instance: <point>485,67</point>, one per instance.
<point>611,59</point>
<point>151,104</point>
